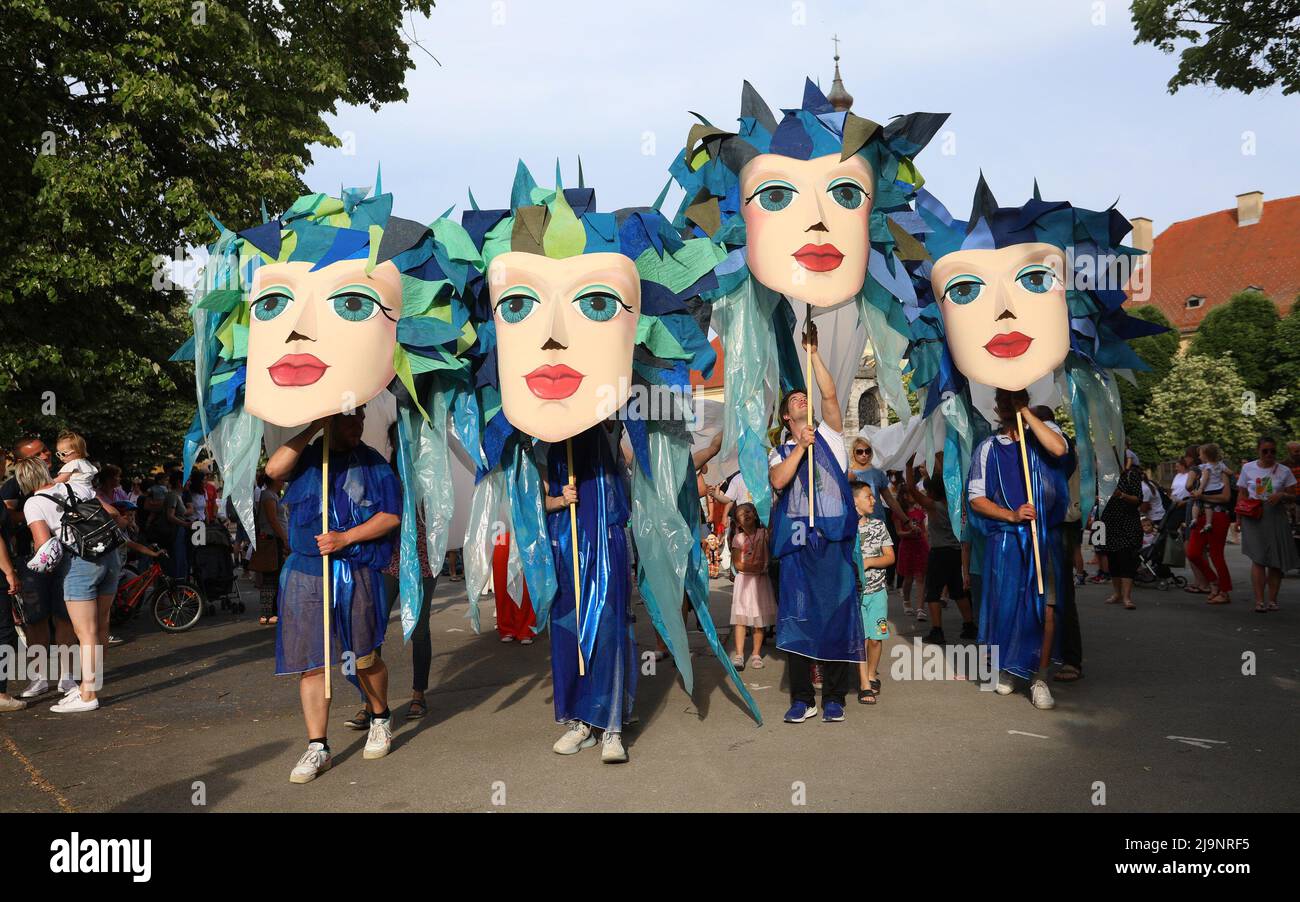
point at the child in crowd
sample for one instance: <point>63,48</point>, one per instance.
<point>753,605</point>
<point>76,470</point>
<point>877,553</point>
<point>913,549</point>
<point>1148,533</point>
<point>1211,482</point>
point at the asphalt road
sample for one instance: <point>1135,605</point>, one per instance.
<point>200,714</point>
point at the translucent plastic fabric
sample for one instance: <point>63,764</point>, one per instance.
<point>526,492</point>
<point>480,533</point>
<point>744,319</point>
<point>237,447</point>
<point>1099,433</point>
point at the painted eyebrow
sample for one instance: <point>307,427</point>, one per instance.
<point>521,287</point>
<point>274,285</point>
<point>962,275</point>
<point>358,288</point>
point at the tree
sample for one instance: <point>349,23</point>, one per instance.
<point>124,124</point>
<point>1286,368</point>
<point>1246,328</point>
<point>1158,352</point>
<point>1204,399</point>
<point>1230,44</point>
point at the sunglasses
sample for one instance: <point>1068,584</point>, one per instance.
<point>863,452</point>
<point>61,454</point>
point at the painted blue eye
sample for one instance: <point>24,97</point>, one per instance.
<point>774,196</point>
<point>965,291</point>
<point>598,306</point>
<point>515,308</point>
<point>269,306</point>
<point>355,308</point>
<point>848,194</point>
<point>1038,280</point>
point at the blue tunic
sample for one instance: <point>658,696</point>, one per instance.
<point>603,697</point>
<point>1012,613</point>
<point>362,484</point>
<point>817,604</point>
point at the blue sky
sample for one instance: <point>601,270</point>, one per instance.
<point>1048,88</point>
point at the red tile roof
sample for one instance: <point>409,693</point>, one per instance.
<point>1214,258</point>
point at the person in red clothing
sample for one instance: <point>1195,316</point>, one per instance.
<point>514,621</point>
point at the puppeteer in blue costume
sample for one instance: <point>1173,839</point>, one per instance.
<point>303,319</point>
<point>589,321</point>
<point>817,618</point>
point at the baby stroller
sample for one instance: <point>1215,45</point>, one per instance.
<point>214,571</point>
<point>1157,560</point>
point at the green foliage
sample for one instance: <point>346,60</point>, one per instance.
<point>1204,399</point>
<point>1245,327</point>
<point>1159,353</point>
<point>124,124</point>
<point>1286,368</point>
<point>1227,43</point>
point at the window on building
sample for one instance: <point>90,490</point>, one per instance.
<point>1193,302</point>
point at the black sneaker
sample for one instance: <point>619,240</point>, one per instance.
<point>935,636</point>
<point>359,721</point>
<point>969,631</point>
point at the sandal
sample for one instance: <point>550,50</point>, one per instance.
<point>263,620</point>
<point>417,708</point>
<point>1196,590</point>
<point>1068,674</point>
<point>1130,606</point>
<point>866,696</point>
<point>1274,606</point>
<point>1259,608</point>
<point>1218,598</point>
<point>1114,599</point>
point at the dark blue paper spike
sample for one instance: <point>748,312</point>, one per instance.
<point>479,222</point>
<point>656,299</point>
<point>487,371</point>
<point>791,139</point>
<point>400,235</point>
<point>580,200</point>
<point>349,244</point>
<point>264,237</point>
<point>814,101</point>
<point>984,205</point>
<point>638,437</point>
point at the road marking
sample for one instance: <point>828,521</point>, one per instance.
<point>1022,733</point>
<point>38,779</point>
<point>1199,743</point>
<point>455,630</point>
<point>757,686</point>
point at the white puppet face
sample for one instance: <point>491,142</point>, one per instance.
<point>807,225</point>
<point>1004,312</point>
<point>320,343</point>
<point>565,333</point>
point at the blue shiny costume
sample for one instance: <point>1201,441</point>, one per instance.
<point>1012,613</point>
<point>603,697</point>
<point>362,484</point>
<point>817,614</point>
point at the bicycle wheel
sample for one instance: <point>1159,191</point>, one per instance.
<point>177,607</point>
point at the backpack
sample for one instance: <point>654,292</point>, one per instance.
<point>87,529</point>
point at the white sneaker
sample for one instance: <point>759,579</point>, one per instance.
<point>526,641</point>
<point>35,688</point>
<point>67,684</point>
<point>577,738</point>
<point>1004,686</point>
<point>314,762</point>
<point>907,610</point>
<point>507,638</point>
<point>380,738</point>
<point>921,616</point>
<point>74,704</point>
<point>11,704</point>
<point>1041,696</point>
<point>612,751</point>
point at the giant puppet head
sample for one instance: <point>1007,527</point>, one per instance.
<point>582,305</point>
<point>1012,295</point>
<point>807,198</point>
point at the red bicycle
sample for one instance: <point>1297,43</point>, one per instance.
<point>176,604</point>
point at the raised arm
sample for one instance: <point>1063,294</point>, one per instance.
<point>1051,440</point>
<point>281,463</point>
<point>831,415</point>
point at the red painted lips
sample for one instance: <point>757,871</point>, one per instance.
<point>297,370</point>
<point>1013,344</point>
<point>554,383</point>
<point>819,257</point>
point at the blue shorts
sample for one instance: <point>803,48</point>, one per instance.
<point>875,614</point>
<point>85,580</point>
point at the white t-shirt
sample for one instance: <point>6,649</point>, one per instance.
<point>980,463</point>
<point>832,438</point>
<point>1157,512</point>
<point>737,491</point>
<point>82,472</point>
<point>38,508</point>
<point>1212,477</point>
<point>1261,482</point>
<point>1178,489</point>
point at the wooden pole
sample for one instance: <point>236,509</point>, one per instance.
<point>808,383</point>
<point>1029,494</point>
<point>325,559</point>
<point>577,574</point>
